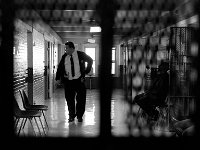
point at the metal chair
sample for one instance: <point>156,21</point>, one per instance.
<point>163,117</point>
<point>142,119</point>
<point>28,106</point>
<point>24,115</point>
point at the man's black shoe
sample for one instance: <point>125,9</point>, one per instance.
<point>80,119</point>
<point>70,119</point>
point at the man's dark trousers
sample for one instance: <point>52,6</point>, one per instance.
<point>75,94</point>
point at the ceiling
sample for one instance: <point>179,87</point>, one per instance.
<point>73,19</point>
<point>74,24</point>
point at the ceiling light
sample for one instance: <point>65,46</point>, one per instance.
<point>95,29</point>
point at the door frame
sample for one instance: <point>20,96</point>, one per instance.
<point>47,69</point>
<point>29,78</point>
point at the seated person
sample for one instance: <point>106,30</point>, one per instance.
<point>156,94</point>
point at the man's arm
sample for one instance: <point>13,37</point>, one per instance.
<point>60,68</point>
<point>89,61</point>
<point>58,72</point>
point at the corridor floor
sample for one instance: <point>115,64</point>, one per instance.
<point>57,116</point>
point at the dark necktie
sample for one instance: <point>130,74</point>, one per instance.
<point>72,66</point>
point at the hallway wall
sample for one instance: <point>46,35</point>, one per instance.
<point>34,49</point>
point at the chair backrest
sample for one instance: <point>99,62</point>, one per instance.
<point>25,100</point>
<point>16,107</point>
<point>22,97</point>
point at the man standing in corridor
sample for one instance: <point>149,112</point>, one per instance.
<point>71,71</point>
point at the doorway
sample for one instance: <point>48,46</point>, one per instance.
<point>29,78</point>
<point>47,70</point>
<point>92,78</point>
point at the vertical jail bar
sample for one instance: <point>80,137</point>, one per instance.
<point>6,48</point>
<point>197,67</point>
<point>106,12</point>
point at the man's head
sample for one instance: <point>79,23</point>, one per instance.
<point>163,67</point>
<point>69,47</point>
<point>147,66</point>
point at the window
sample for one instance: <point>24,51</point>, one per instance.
<point>113,60</point>
<point>91,53</point>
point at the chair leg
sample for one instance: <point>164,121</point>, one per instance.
<point>137,116</point>
<point>45,119</point>
<point>22,124</point>
<point>37,126</point>
<point>32,125</point>
<point>162,121</point>
<point>42,126</point>
<point>141,119</point>
<point>16,123</point>
<point>167,117</point>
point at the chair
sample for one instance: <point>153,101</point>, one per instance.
<point>28,106</point>
<point>163,117</point>
<point>25,114</point>
<point>142,119</point>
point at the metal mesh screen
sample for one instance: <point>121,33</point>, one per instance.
<point>143,26</point>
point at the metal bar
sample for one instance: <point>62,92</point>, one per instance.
<point>106,13</point>
<point>6,48</point>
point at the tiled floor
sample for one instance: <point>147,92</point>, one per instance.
<point>57,117</point>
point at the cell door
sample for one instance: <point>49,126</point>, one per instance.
<point>180,61</point>
<point>182,96</point>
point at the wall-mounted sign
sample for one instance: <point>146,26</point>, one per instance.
<point>91,40</point>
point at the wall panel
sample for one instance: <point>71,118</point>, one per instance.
<point>38,67</point>
<point>20,56</point>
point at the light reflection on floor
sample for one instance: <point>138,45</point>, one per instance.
<point>57,116</point>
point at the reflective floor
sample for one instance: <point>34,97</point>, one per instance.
<point>57,117</point>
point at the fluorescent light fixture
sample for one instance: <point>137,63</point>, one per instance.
<point>95,29</point>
